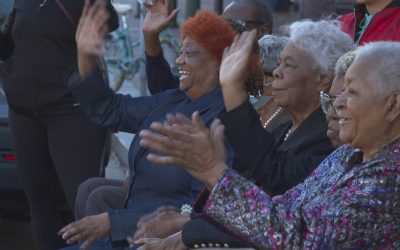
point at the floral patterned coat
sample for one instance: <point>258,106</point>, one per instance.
<point>346,203</point>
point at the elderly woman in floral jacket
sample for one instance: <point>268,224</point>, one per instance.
<point>350,201</point>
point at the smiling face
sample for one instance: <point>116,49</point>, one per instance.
<point>295,86</point>
<point>198,69</point>
<point>331,116</point>
<point>361,110</point>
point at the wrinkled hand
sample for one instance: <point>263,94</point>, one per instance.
<point>193,146</point>
<point>158,17</point>
<point>92,28</point>
<point>161,223</point>
<point>173,242</point>
<point>90,34</point>
<point>87,230</point>
<point>235,60</point>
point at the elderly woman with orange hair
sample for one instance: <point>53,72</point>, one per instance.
<point>204,38</point>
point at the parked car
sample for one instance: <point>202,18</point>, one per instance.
<point>12,196</point>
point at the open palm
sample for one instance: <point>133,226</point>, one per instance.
<point>158,17</point>
<point>235,60</point>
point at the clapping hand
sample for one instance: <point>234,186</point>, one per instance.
<point>189,144</point>
<point>234,69</point>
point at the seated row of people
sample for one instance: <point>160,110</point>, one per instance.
<point>352,191</point>
<point>275,160</point>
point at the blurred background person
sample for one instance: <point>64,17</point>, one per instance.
<point>316,9</point>
<point>271,115</point>
<point>327,99</point>
<point>373,20</point>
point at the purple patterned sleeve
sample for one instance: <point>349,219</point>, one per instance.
<point>346,203</point>
<point>241,217</point>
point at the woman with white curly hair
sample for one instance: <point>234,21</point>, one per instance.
<point>282,158</point>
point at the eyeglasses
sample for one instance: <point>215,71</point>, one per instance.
<point>327,101</point>
<point>242,25</point>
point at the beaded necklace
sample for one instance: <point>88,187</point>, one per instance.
<point>272,117</point>
<point>42,4</point>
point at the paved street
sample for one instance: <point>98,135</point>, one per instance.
<point>15,232</point>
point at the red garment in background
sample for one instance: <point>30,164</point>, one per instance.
<point>384,26</point>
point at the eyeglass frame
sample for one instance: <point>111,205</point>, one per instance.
<point>240,25</point>
<point>327,98</point>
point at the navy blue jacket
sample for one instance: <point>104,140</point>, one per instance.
<point>159,75</point>
<point>151,185</point>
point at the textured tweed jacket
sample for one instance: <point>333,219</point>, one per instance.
<point>345,204</point>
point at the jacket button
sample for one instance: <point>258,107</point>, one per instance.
<point>203,245</point>
<point>217,245</point>
<point>226,245</point>
<point>196,246</point>
<point>210,245</point>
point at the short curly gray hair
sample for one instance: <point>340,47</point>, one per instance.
<point>385,60</point>
<point>343,63</point>
<point>323,40</point>
<point>270,48</point>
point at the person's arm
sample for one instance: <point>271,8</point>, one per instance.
<point>6,42</point>
<point>158,71</point>
<point>116,111</point>
<point>355,213</point>
<point>276,169</point>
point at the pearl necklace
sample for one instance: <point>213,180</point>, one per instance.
<point>288,134</point>
<point>275,114</point>
<point>42,4</point>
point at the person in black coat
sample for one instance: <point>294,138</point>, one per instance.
<point>56,146</point>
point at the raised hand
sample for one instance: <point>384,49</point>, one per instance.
<point>194,147</point>
<point>234,69</point>
<point>90,34</point>
<point>158,17</point>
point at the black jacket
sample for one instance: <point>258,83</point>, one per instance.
<point>275,164</point>
<point>38,46</point>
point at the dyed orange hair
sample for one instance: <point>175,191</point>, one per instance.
<point>210,31</point>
